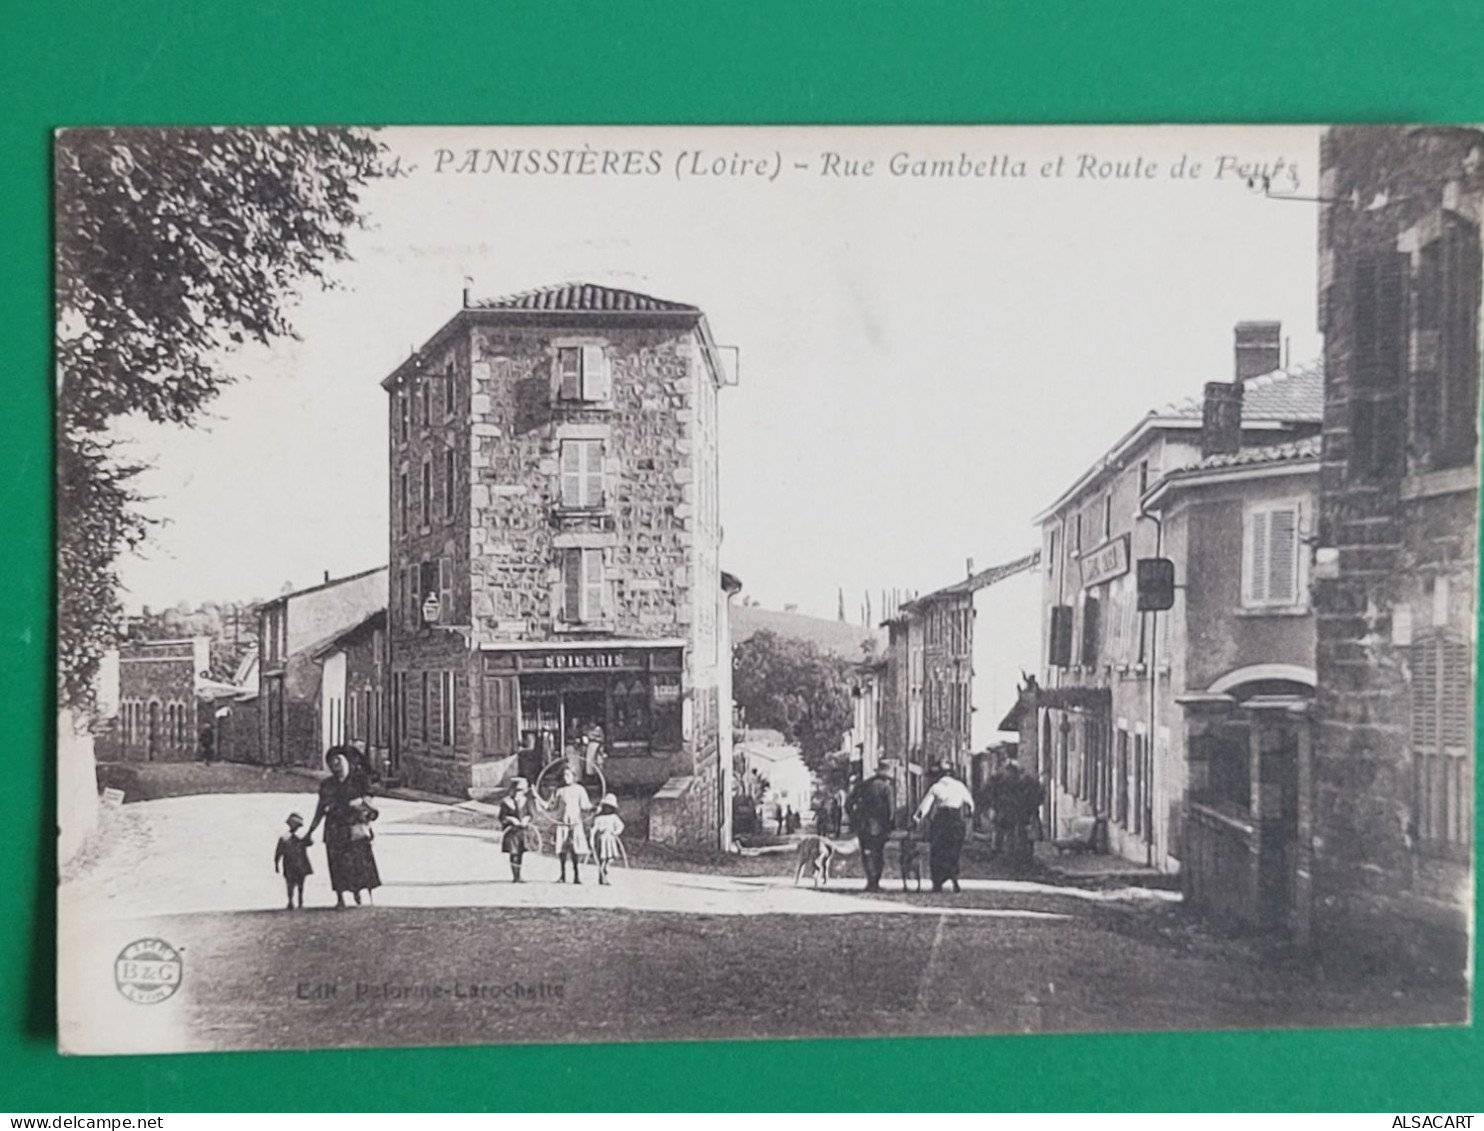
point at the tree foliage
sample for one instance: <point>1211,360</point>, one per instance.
<point>789,685</point>
<point>172,248</point>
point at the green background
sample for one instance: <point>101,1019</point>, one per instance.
<point>660,61</point>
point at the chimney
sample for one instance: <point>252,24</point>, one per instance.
<point>1259,349</point>
<point>969,566</point>
<point>1221,419</point>
<point>327,577</point>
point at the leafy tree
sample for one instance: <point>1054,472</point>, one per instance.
<point>789,685</point>
<point>172,248</point>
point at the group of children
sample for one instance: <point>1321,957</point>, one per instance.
<point>517,835</point>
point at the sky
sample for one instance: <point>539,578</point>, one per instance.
<point>922,362</point>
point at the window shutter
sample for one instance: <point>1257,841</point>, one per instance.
<point>572,473</point>
<point>449,487</point>
<point>1282,585</point>
<point>569,371</point>
<point>1258,558</point>
<point>593,473</point>
<point>1090,632</point>
<point>592,584</point>
<point>595,374</point>
<point>414,614</point>
<point>572,585</point>
<point>1457,691</point>
<point>1459,344</point>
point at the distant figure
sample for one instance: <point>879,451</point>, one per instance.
<point>1022,801</point>
<point>945,807</point>
<point>607,831</point>
<point>779,814</point>
<point>208,743</point>
<point>791,820</point>
<point>870,807</point>
<point>292,858</point>
<point>837,819</point>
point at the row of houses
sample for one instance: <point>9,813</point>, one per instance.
<point>553,577</point>
<point>1247,635</point>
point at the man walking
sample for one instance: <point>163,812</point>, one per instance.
<point>870,806</point>
<point>945,806</point>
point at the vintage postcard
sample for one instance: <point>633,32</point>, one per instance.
<point>549,585</point>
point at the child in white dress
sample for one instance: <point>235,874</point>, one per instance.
<point>607,829</point>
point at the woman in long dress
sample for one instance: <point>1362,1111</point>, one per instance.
<point>945,810</point>
<point>347,817</point>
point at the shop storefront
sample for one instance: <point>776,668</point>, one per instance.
<point>596,706</point>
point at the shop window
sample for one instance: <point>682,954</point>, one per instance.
<point>1270,560</point>
<point>582,473</point>
<point>1442,713</point>
<point>631,717</point>
<point>582,373</point>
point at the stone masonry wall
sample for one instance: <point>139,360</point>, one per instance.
<point>1394,543</point>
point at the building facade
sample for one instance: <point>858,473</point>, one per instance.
<point>554,545</point>
<point>1396,567</point>
<point>159,716</point>
<point>1234,673</point>
<point>293,631</point>
<point>352,690</point>
<point>1103,739</point>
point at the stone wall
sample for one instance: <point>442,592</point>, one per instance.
<point>1396,565</point>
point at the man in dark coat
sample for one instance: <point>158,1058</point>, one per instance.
<point>870,805</point>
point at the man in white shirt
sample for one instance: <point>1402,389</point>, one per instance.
<point>946,807</point>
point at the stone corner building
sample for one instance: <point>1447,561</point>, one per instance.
<point>1396,564</point>
<point>554,545</point>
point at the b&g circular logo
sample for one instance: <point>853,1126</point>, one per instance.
<point>147,971</point>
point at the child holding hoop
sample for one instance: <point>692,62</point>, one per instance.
<point>570,802</point>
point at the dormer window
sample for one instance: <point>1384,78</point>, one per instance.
<point>582,374</point>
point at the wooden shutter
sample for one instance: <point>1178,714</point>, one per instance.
<point>569,373</point>
<point>1459,344</point>
<point>501,715</point>
<point>1282,585</point>
<point>572,473</point>
<point>1059,651</point>
<point>1090,632</point>
<point>1379,339</point>
<point>572,585</point>
<point>595,383</point>
<point>449,488</point>
<point>445,589</point>
<point>592,585</point>
<point>592,473</point>
<point>1442,751</point>
<point>1257,569</point>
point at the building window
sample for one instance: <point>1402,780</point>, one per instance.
<point>1379,354</point>
<point>448,390</point>
<point>425,396</point>
<point>1270,559</point>
<point>414,597</point>
<point>582,473</point>
<point>404,412</point>
<point>582,584</point>
<point>1143,476</point>
<point>1442,692</point>
<point>445,589</point>
<point>448,483</point>
<point>1051,554</point>
<point>399,703</point>
<point>1090,632</point>
<point>405,500</point>
<point>425,717</point>
<point>445,704</point>
<point>1445,380</point>
<point>427,497</point>
<point>1107,516</point>
<point>582,373</point>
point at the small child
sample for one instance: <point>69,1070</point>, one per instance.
<point>607,828</point>
<point>293,854</point>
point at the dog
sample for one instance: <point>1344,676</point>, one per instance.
<point>907,859</point>
<point>817,853</point>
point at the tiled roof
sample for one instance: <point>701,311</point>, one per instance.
<point>981,579</point>
<point>581,297</point>
<point>1293,450</point>
<point>1284,394</point>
